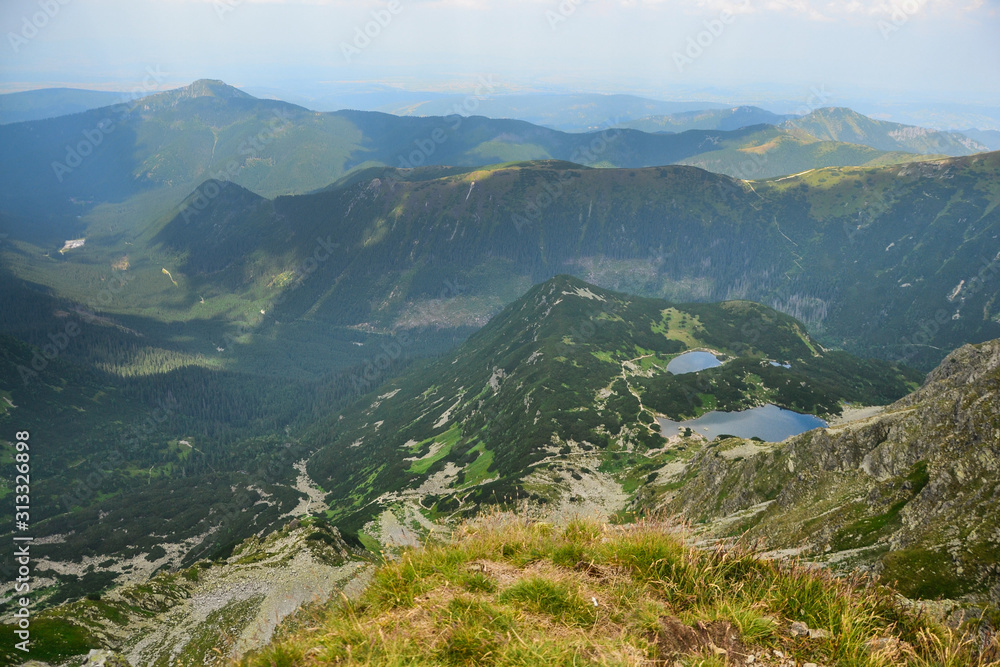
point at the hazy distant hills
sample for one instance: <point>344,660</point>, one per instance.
<point>567,112</point>
<point>988,138</point>
<point>839,124</point>
<point>52,102</point>
<point>757,151</point>
<point>707,119</point>
<point>830,124</point>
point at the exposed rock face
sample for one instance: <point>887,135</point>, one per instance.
<point>215,611</point>
<point>910,493</point>
<point>102,658</point>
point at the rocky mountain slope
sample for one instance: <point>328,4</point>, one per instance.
<point>207,613</point>
<point>909,493</point>
<point>840,124</point>
<point>556,400</point>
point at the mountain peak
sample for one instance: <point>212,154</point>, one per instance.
<point>847,125</point>
<point>836,111</point>
<point>555,290</point>
<point>213,88</point>
<point>200,88</point>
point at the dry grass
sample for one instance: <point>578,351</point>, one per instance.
<point>508,591</point>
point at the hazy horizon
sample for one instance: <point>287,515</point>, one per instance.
<point>868,54</point>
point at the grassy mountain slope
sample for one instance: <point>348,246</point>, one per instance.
<point>869,258</point>
<point>896,262</point>
<point>554,401</point>
<point>507,591</point>
<point>570,368</point>
<point>839,124</point>
<point>908,493</point>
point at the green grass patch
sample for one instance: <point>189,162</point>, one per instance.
<point>446,440</point>
<point>479,470</point>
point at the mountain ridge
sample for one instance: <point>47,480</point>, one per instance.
<point>843,124</point>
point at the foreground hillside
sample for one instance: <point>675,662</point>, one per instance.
<point>508,591</point>
<point>552,405</point>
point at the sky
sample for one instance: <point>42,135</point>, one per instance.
<point>740,51</point>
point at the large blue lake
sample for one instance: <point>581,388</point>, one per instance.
<point>769,423</point>
<point>691,362</point>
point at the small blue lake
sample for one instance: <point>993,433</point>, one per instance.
<point>692,362</point>
<point>768,422</point>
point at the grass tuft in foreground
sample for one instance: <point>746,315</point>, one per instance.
<point>507,591</point>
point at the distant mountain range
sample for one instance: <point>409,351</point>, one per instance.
<point>52,102</point>
<point>145,155</point>
<point>836,124</point>
<point>988,138</point>
<point>566,112</point>
<point>707,119</point>
<point>829,124</point>
<point>210,129</point>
